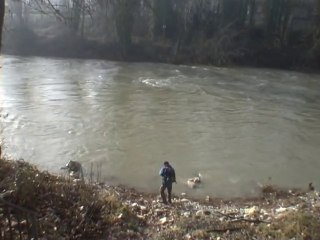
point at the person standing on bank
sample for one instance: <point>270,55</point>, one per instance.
<point>168,177</point>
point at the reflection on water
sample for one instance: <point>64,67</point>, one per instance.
<point>235,126</point>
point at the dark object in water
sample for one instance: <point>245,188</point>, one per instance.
<point>311,187</point>
<point>74,169</point>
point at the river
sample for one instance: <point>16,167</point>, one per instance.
<point>238,127</point>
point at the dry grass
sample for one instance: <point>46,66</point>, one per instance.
<point>298,225</point>
<point>64,208</point>
<point>74,210</point>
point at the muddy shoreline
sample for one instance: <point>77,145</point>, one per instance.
<point>68,209</point>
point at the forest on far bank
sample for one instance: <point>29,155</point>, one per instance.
<point>261,33</point>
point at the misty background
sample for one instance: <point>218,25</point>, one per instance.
<point>281,33</point>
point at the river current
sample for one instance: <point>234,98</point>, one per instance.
<point>238,127</point>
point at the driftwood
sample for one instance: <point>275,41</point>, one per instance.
<point>255,220</point>
<point>239,219</point>
<point>233,220</point>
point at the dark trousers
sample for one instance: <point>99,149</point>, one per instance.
<point>163,187</point>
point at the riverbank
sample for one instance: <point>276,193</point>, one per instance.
<point>67,209</point>
<point>25,42</point>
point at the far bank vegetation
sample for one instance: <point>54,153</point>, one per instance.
<point>269,33</point>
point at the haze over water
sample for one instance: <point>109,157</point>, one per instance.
<point>236,126</point>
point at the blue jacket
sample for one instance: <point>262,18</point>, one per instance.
<point>168,174</point>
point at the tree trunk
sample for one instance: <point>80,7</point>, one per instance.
<point>252,13</point>
<point>1,19</point>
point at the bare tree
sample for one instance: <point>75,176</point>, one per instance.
<point>2,5</point>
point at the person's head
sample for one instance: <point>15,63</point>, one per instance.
<point>166,163</point>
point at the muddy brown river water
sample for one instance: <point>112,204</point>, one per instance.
<point>238,127</point>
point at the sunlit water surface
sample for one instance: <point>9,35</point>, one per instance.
<point>238,127</point>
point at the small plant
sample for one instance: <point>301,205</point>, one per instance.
<point>298,225</point>
<point>200,234</point>
<point>170,234</point>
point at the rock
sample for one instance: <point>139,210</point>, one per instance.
<point>143,208</point>
<point>6,195</point>
<point>186,214</point>
<point>137,207</point>
<point>163,220</point>
<point>21,224</point>
<point>251,211</point>
<point>134,205</point>
<point>206,212</point>
<point>281,210</point>
<point>317,205</point>
<point>183,194</point>
<point>143,217</point>
<point>188,236</point>
<point>199,213</point>
<point>263,211</point>
<point>184,200</point>
<point>281,215</point>
<point>207,199</point>
<point>76,180</point>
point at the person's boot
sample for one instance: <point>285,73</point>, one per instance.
<point>163,195</point>
<point>169,198</point>
<point>164,200</point>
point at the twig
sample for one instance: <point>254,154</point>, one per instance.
<point>224,230</point>
<point>238,219</point>
<point>249,220</point>
<point>225,215</point>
